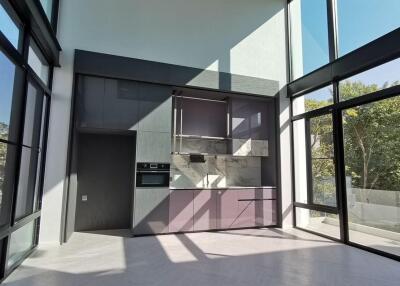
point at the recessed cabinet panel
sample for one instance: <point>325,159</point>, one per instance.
<point>153,147</point>
<point>251,119</point>
<point>155,111</point>
<point>202,118</point>
<point>121,105</point>
<point>90,102</point>
<point>227,208</point>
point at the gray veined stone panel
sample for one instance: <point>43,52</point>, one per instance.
<point>153,147</point>
<point>208,146</point>
<point>250,147</point>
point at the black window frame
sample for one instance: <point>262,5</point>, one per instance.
<point>382,50</point>
<point>35,26</point>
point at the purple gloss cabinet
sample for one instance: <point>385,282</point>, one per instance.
<point>198,210</point>
<point>181,210</point>
<point>205,210</point>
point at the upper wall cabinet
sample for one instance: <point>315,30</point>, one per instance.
<point>200,117</point>
<point>124,105</point>
<point>155,108</point>
<point>121,104</point>
<point>251,119</point>
<point>90,95</point>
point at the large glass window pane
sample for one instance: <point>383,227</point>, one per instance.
<point>313,100</point>
<point>26,183</point>
<point>372,80</point>
<point>372,160</point>
<point>300,160</point>
<point>320,222</point>
<point>8,73</point>
<point>7,159</point>
<point>9,28</point>
<point>360,21</point>
<point>322,161</point>
<point>33,115</point>
<point>37,62</point>
<point>314,164</point>
<point>20,243</point>
<point>309,36</point>
<point>47,7</point>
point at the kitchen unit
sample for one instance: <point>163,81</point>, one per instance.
<point>222,167</point>
<point>204,160</point>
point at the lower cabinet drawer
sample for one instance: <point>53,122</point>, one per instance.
<point>151,211</point>
<point>198,210</point>
<point>204,210</point>
<point>180,210</point>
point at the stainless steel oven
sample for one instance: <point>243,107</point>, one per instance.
<point>152,175</point>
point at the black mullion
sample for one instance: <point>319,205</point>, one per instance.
<point>369,98</point>
<point>332,30</point>
<point>10,51</point>
<point>340,175</point>
<point>317,207</point>
<point>25,53</point>
<point>310,195</point>
<point>54,15</point>
<point>360,100</point>
<point>314,113</point>
<point>375,53</point>
<point>292,157</point>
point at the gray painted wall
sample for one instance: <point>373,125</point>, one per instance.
<point>234,36</point>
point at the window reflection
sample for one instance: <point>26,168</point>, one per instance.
<point>9,28</point>
<point>372,159</point>
<point>309,36</point>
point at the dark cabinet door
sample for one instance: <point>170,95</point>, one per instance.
<point>121,105</point>
<point>90,98</point>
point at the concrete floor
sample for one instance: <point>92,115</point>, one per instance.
<point>242,257</point>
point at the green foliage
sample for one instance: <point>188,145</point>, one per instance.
<point>371,141</point>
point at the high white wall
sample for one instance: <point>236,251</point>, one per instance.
<point>236,36</point>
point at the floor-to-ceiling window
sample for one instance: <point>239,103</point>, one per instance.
<point>25,95</point>
<point>345,123</point>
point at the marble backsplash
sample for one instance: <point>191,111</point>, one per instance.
<point>216,172</point>
<point>199,145</point>
<point>250,147</point>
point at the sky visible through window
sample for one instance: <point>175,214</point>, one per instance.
<point>7,72</point>
<point>359,22</point>
<point>8,27</point>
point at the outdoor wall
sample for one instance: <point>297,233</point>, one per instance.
<point>234,36</point>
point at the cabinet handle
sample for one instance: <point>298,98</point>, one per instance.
<point>253,200</point>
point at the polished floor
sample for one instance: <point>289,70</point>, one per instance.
<point>241,257</point>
